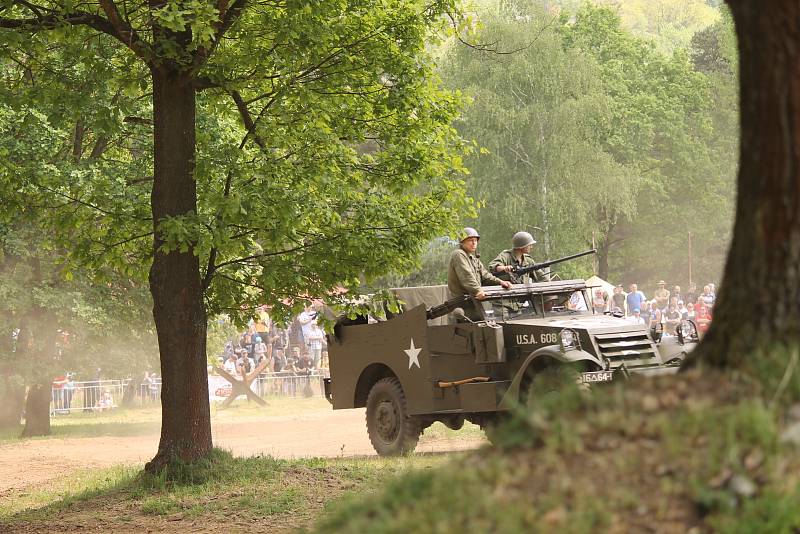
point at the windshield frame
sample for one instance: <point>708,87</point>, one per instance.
<point>542,304</point>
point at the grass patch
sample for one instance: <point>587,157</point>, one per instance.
<point>211,490</point>
<point>119,422</point>
<point>771,512</point>
<point>464,497</point>
<point>10,433</point>
<point>669,454</point>
<point>66,492</point>
<point>438,431</point>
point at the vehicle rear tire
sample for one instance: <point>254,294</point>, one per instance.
<point>391,430</point>
<point>490,424</point>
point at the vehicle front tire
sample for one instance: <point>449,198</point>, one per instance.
<point>391,430</point>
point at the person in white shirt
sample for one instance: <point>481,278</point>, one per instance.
<point>636,318</point>
<point>307,320</point>
<point>230,365</point>
<point>259,350</point>
<point>315,344</point>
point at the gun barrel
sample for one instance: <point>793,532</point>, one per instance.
<point>545,264</point>
<point>447,306</point>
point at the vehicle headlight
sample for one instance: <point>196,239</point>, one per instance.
<point>687,329</point>
<point>569,340</point>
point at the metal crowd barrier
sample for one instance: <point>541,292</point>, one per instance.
<point>102,395</point>
<point>298,384</point>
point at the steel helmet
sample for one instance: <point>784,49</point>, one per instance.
<point>522,240</point>
<point>468,232</point>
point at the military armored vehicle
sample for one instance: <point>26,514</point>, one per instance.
<point>432,363</point>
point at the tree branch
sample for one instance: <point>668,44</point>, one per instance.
<point>492,47</point>
<point>121,31</point>
<point>212,256</point>
<point>266,254</point>
<point>138,120</point>
<point>247,119</point>
<point>124,32</point>
<point>200,83</point>
<point>227,16</point>
<point>125,241</point>
<point>99,147</point>
<point>80,202</point>
<point>77,141</point>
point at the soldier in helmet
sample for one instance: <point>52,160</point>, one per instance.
<point>466,273</point>
<point>517,256</point>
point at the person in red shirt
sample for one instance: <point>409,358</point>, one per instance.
<point>702,318</point>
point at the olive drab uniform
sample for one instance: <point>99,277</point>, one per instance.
<point>507,258</point>
<point>466,274</point>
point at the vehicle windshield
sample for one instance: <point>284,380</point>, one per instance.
<point>501,307</point>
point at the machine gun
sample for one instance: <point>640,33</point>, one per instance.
<point>448,306</point>
<point>520,271</point>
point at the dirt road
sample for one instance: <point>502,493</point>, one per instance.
<point>321,433</point>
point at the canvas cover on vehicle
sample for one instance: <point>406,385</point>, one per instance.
<point>430,296</point>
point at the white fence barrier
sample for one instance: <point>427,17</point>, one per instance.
<point>292,385</point>
<point>101,395</point>
<point>299,384</point>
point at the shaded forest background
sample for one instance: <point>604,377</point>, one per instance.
<point>612,125</point>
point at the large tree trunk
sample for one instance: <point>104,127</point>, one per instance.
<point>37,411</point>
<point>12,400</point>
<point>178,307</point>
<point>759,301</point>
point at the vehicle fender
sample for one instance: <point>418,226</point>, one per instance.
<point>669,348</point>
<point>552,352</point>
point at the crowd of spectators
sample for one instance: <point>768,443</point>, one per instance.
<point>301,348</point>
<point>666,307</point>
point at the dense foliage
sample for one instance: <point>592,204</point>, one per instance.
<point>592,135</point>
<point>324,156</point>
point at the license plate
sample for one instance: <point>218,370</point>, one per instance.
<point>596,376</point>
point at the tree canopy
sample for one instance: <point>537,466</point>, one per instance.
<point>297,149</point>
<point>590,134</point>
<point>322,139</point>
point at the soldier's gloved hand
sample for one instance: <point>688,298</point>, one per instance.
<point>505,284</point>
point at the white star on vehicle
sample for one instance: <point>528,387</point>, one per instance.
<point>413,354</point>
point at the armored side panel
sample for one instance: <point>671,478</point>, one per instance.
<point>482,396</point>
<point>489,344</point>
<point>462,352</point>
<point>399,344</point>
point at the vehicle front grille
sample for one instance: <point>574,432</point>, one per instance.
<point>634,349</point>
